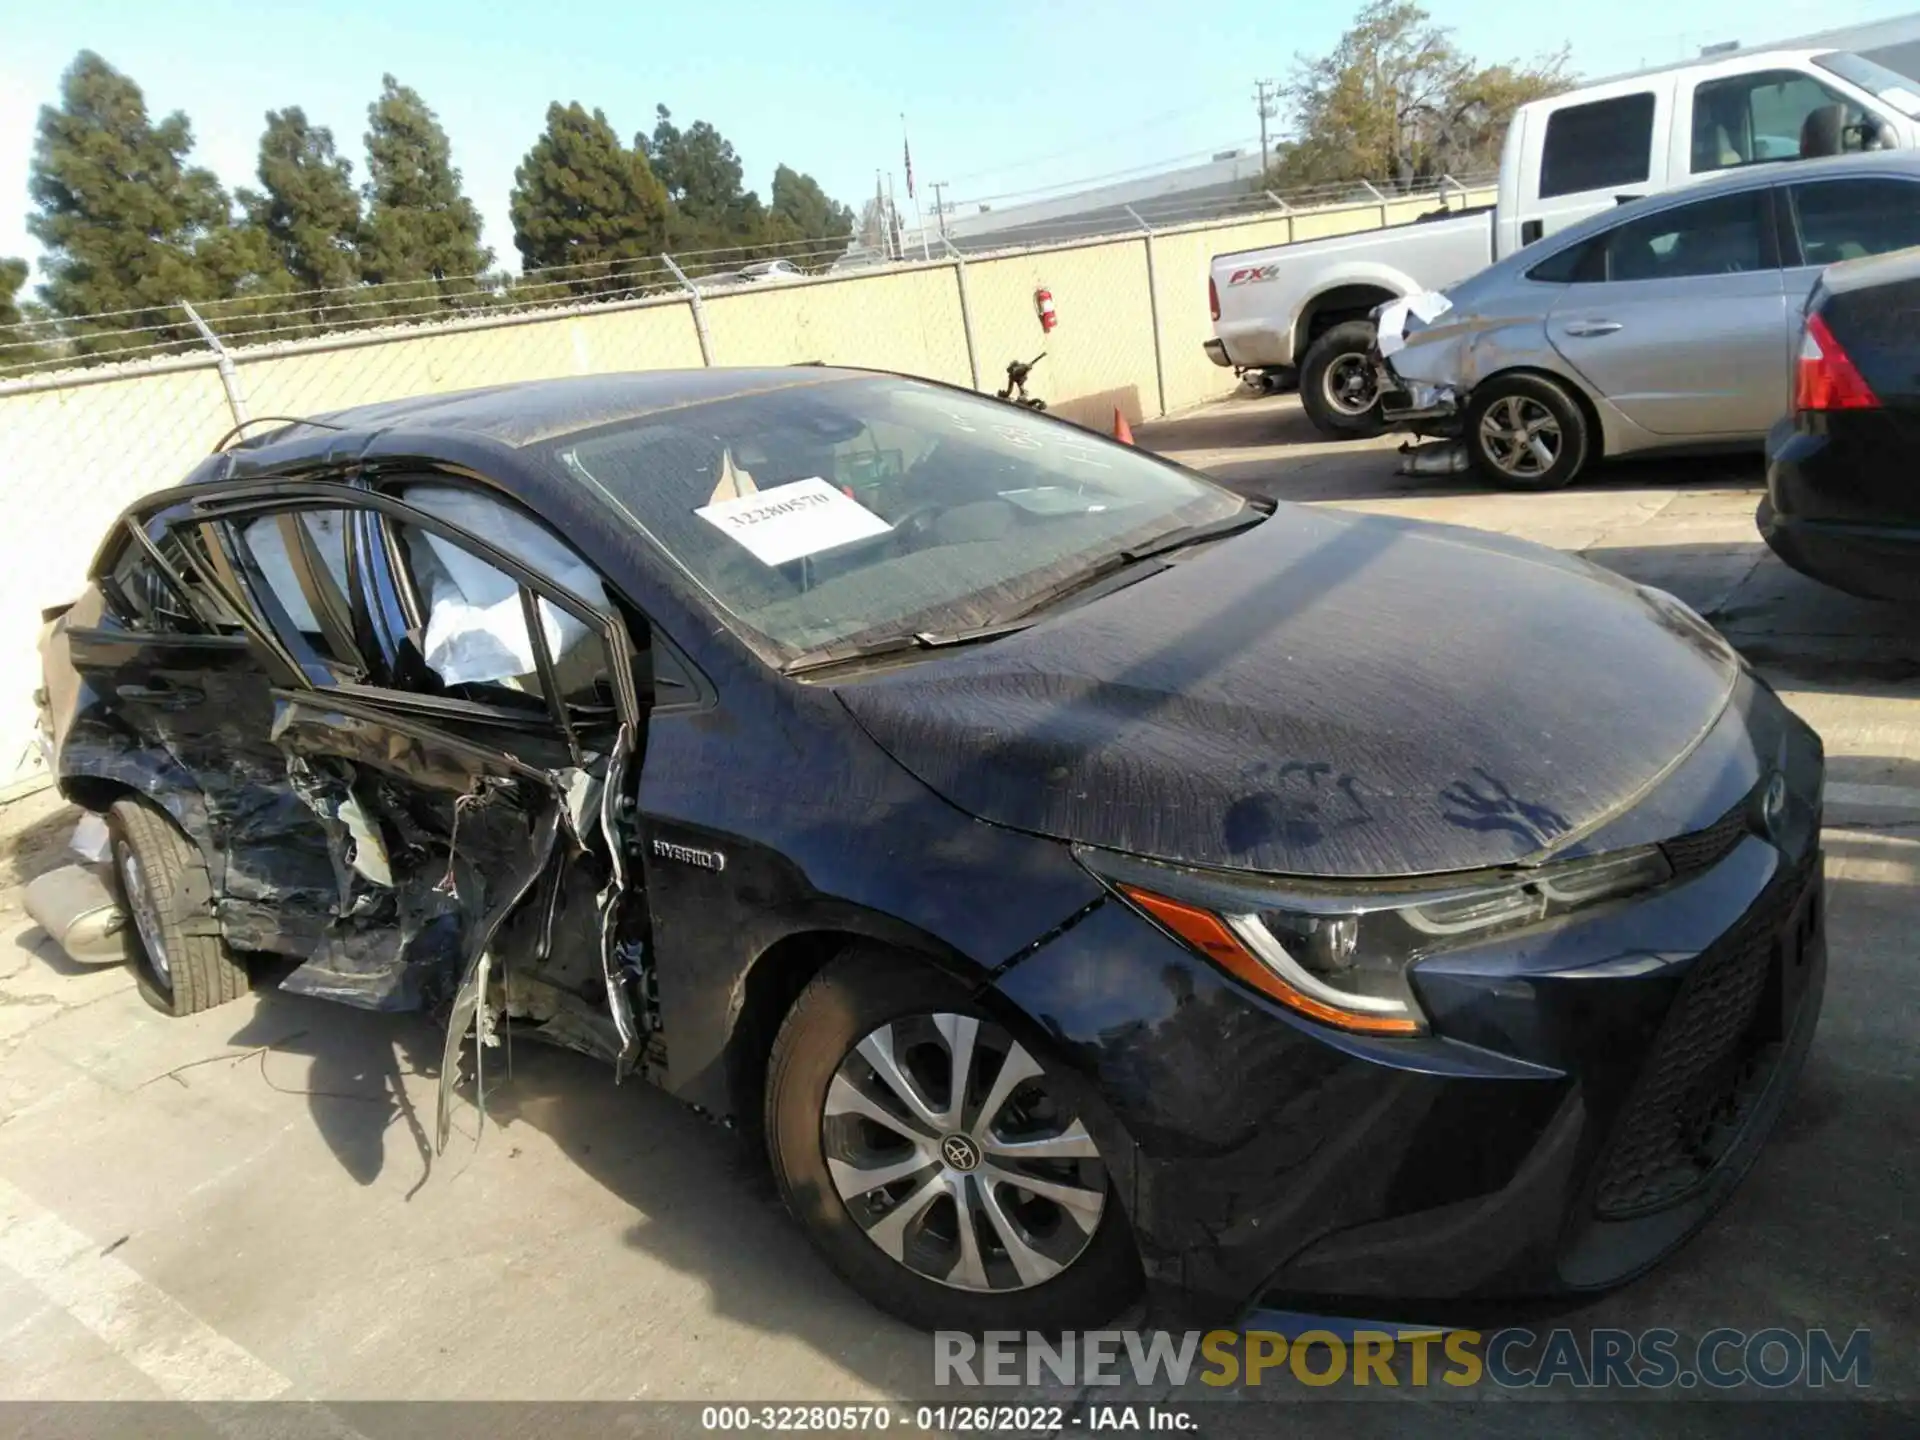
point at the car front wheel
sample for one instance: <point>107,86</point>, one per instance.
<point>180,963</point>
<point>1525,432</point>
<point>942,1166</point>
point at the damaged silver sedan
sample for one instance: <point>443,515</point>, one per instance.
<point>1667,324</point>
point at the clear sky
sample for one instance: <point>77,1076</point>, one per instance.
<point>1001,96</point>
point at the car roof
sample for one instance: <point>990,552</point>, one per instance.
<point>530,412</point>
<point>1728,182</point>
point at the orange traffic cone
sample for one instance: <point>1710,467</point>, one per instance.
<point>1122,431</point>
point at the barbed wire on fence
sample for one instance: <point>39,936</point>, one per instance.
<point>128,338</point>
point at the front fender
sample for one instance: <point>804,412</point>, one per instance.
<point>1465,352</point>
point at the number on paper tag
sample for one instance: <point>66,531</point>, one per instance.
<point>791,521</point>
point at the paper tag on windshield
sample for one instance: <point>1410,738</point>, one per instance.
<point>791,521</point>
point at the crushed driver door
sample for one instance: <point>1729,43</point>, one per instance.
<point>475,777</point>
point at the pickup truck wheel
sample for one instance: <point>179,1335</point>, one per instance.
<point>1525,432</point>
<point>1338,386</point>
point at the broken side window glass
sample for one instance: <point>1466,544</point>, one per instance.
<point>476,623</point>
<point>144,599</point>
<point>267,539</point>
<point>185,548</point>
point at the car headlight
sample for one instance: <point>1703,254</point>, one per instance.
<point>1340,953</point>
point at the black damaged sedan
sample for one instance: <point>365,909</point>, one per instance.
<point>1075,875</point>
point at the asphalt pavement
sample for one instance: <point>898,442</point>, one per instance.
<point>244,1204</point>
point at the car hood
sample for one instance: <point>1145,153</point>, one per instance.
<point>1326,695</point>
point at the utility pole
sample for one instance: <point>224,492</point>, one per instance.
<point>1267,103</point>
<point>940,206</point>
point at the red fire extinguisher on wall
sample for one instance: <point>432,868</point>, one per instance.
<point>1043,303</point>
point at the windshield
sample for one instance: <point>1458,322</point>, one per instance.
<point>1890,86</point>
<point>844,510</point>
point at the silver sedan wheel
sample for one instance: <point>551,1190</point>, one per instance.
<point>956,1153</point>
<point>146,917</point>
<point>1349,384</point>
<point>1520,437</point>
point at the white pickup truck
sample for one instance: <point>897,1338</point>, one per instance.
<point>1305,308</point>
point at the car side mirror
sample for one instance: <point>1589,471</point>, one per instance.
<point>1877,134</point>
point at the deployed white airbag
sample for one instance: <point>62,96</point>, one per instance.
<point>476,629</point>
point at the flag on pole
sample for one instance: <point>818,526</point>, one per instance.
<point>906,154</point>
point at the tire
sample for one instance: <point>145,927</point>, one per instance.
<point>1545,412</point>
<point>1080,1267</point>
<point>1329,383</point>
<point>180,963</point>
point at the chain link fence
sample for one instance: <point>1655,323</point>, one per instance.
<point>98,411</point>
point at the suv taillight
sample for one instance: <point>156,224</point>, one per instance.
<point>1824,378</point>
<point>1213,297</point>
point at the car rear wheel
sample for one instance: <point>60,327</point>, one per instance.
<point>1339,388</point>
<point>942,1166</point>
<point>180,963</point>
<point>1525,432</point>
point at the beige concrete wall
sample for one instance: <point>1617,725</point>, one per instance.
<point>906,320</point>
<point>73,456</point>
<point>1100,357</point>
<point>419,361</point>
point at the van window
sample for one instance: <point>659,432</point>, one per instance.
<point>1602,143</point>
<point>1749,119</point>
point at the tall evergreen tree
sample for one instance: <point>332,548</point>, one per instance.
<point>420,225</point>
<point>306,211</point>
<point>19,346</point>
<point>581,198</point>
<point>702,176</point>
<point>13,275</point>
<point>127,224</point>
<point>802,208</point>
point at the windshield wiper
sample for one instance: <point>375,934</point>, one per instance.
<point>829,655</point>
<point>1176,539</point>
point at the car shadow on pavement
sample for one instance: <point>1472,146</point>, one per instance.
<point>356,1080</point>
<point>1775,616</point>
<point>703,1202</point>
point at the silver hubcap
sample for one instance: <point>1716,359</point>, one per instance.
<point>1349,384</point>
<point>957,1156</point>
<point>1520,436</point>
<point>146,918</point>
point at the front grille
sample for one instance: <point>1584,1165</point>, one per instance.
<point>1703,849</point>
<point>1708,1065</point>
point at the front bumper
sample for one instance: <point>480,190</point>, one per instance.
<point>1590,1092</point>
<point>1423,408</point>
